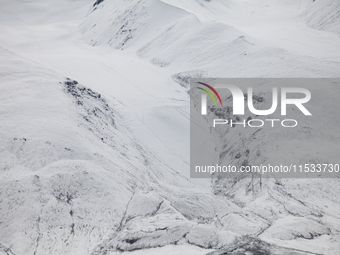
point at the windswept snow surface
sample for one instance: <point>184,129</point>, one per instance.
<point>94,131</point>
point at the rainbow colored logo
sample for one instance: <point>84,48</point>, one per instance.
<point>210,94</point>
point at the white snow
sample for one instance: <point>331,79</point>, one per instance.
<point>83,174</point>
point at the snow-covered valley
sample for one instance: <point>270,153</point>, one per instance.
<point>94,115</point>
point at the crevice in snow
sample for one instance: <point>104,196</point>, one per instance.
<point>7,251</point>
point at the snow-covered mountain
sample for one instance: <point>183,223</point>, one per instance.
<point>321,15</point>
<point>94,117</point>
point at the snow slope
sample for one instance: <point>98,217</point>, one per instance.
<point>97,163</point>
<point>322,15</point>
<point>72,173</point>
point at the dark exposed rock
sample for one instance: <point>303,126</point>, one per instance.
<point>255,246</point>
<point>183,78</point>
<point>97,2</point>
